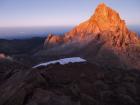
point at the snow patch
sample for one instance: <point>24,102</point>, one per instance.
<point>62,61</point>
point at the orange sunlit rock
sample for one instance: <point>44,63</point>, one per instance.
<point>53,40</point>
<point>105,20</point>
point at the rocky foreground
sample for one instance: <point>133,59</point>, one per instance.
<point>70,84</point>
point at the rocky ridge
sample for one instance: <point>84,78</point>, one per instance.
<point>104,19</point>
<point>105,30</point>
<point>70,84</point>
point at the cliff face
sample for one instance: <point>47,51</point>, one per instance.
<point>106,30</point>
<point>104,20</point>
<point>53,40</point>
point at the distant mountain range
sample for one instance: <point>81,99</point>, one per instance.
<point>28,32</point>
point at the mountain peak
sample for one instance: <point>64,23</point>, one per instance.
<point>103,19</point>
<point>103,32</point>
<point>102,5</point>
<point>103,9</point>
<point>107,19</point>
<point>103,22</point>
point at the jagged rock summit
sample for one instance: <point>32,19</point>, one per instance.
<point>104,19</point>
<point>104,30</point>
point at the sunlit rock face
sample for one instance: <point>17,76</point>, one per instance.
<point>103,31</point>
<point>104,21</point>
<point>53,40</point>
<point>107,19</point>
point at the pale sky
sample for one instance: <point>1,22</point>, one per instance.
<point>26,13</point>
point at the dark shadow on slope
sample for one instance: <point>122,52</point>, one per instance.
<point>94,52</point>
<point>71,84</point>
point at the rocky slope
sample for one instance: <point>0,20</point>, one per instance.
<point>104,38</point>
<point>70,84</point>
